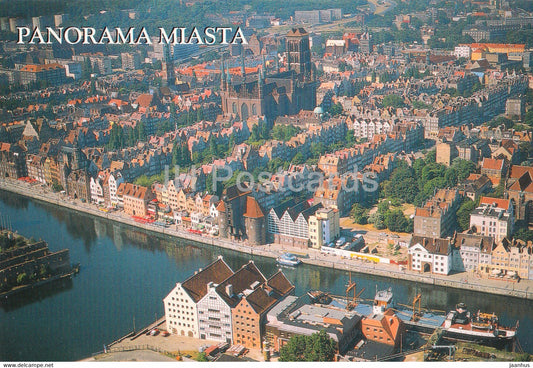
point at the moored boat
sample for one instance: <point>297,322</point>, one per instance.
<point>481,327</point>
<point>288,259</point>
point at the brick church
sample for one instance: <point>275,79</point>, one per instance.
<point>277,94</point>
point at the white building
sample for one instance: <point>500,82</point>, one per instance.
<point>115,179</point>
<point>367,128</point>
<point>494,217</point>
<point>470,251</point>
<point>462,51</point>
<point>214,309</point>
<point>213,212</point>
<point>288,223</point>
<point>214,315</point>
<point>97,190</point>
<point>431,255</point>
<point>181,312</point>
<point>323,227</point>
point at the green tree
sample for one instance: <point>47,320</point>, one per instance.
<point>56,187</point>
<point>463,214</point>
<point>463,168</point>
<point>318,347</point>
<point>395,101</point>
<point>202,357</point>
<point>336,109</point>
<point>22,278</point>
<point>378,220</point>
<point>43,271</point>
<point>396,221</point>
<point>524,234</point>
<point>359,214</point>
<point>298,159</point>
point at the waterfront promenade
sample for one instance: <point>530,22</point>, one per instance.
<point>467,281</point>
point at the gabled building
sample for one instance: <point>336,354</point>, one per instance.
<point>288,223</point>
<point>430,255</point>
<point>136,199</point>
<point>214,309</point>
<point>495,169</point>
<point>78,185</point>
<point>113,182</point>
<point>12,161</point>
<point>471,252</point>
<point>249,315</point>
<point>97,190</point>
<point>494,217</point>
<point>520,191</point>
<point>385,328</point>
<point>181,312</point>
<point>475,185</point>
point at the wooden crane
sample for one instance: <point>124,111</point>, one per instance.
<point>352,286</point>
<point>417,301</point>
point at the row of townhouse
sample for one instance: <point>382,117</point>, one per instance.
<point>220,304</point>
<point>463,252</point>
<point>470,252</point>
<point>403,137</point>
<point>104,188</point>
<point>482,106</point>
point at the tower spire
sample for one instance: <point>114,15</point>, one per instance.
<point>243,70</point>
<point>222,74</point>
<point>264,68</point>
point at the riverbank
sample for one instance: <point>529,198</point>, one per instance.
<point>464,281</point>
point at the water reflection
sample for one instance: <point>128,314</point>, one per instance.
<point>126,271</point>
<point>30,296</point>
<point>13,200</point>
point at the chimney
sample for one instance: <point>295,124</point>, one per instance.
<point>209,285</point>
<point>229,290</point>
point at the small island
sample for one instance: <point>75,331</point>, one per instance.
<point>26,263</point>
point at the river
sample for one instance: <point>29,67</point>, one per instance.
<point>126,272</point>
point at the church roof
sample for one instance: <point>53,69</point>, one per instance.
<point>297,32</point>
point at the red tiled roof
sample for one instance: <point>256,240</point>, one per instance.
<point>499,202</point>
<point>216,272</point>
<point>39,68</point>
<point>492,164</point>
<point>253,210</point>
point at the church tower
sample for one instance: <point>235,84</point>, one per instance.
<point>298,52</point>
<point>169,78</point>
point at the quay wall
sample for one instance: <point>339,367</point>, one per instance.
<point>367,268</point>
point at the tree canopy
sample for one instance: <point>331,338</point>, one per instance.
<point>318,347</point>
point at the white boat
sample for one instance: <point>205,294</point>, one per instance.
<point>288,259</point>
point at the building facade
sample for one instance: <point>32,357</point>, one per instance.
<point>324,227</point>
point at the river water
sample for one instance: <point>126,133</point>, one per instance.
<point>125,274</point>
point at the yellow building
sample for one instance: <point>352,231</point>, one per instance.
<point>479,49</point>
<point>323,227</point>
